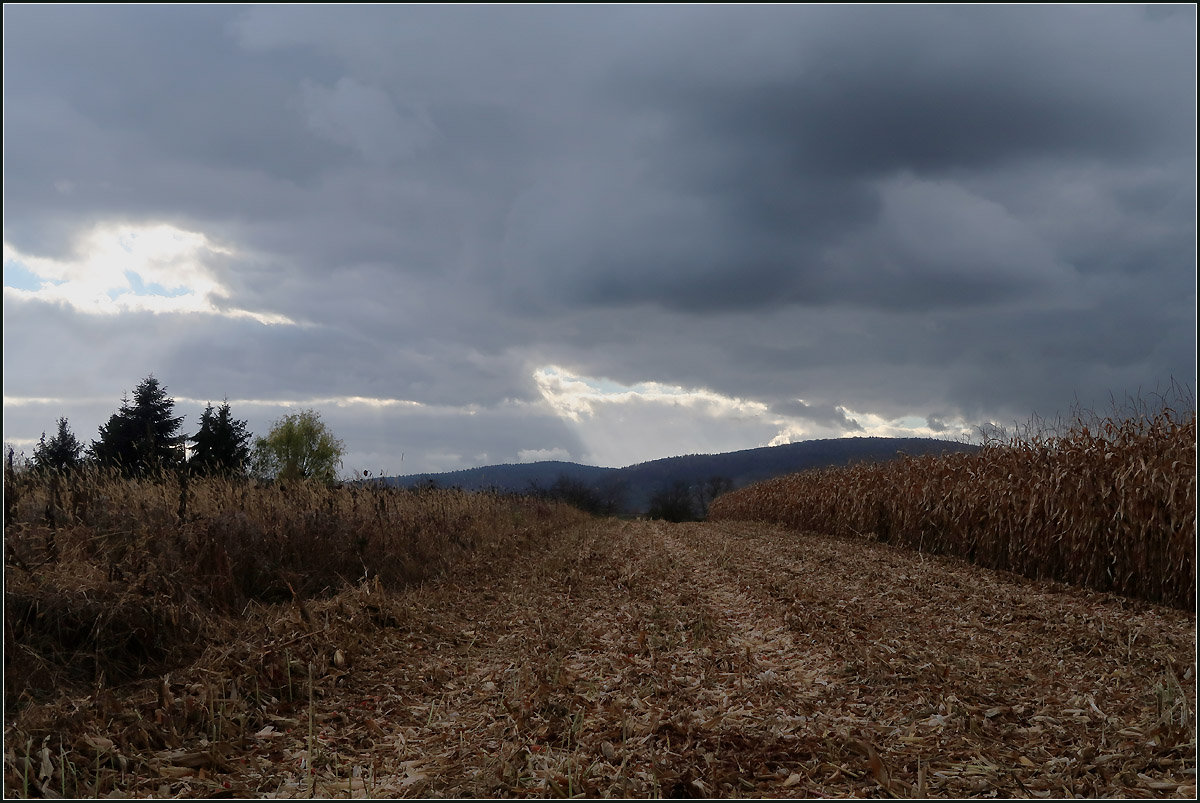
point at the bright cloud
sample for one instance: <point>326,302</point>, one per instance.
<point>908,426</point>
<point>129,268</point>
<point>25,401</point>
<point>537,455</point>
<point>649,419</point>
<point>325,401</point>
<point>575,397</point>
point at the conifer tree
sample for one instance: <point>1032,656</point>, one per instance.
<point>61,453</point>
<point>222,444</point>
<point>142,437</point>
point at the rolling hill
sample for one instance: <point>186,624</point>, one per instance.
<point>641,481</point>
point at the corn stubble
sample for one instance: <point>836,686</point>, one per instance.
<point>1109,505</point>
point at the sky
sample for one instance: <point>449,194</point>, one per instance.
<point>470,235</point>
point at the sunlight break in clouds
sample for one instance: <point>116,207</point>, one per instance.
<point>131,268</point>
<point>650,419</point>
<point>876,426</point>
<point>314,402</point>
<point>318,402</point>
<point>574,397</point>
<point>538,455</point>
<point>26,401</point>
<point>620,425</point>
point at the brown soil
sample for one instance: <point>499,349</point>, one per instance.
<point>637,659</point>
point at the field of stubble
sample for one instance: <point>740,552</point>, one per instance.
<point>637,659</point>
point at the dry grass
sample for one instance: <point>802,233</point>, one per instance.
<point>108,578</point>
<point>1110,504</point>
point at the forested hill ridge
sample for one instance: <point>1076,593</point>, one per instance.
<point>636,484</point>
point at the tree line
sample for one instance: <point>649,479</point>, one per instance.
<point>144,437</point>
<point>675,501</point>
<point>680,500</point>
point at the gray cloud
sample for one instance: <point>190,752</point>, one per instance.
<point>963,213</point>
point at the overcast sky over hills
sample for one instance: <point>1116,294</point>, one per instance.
<point>487,234</point>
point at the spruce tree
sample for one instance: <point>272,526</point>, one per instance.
<point>222,445</point>
<point>60,453</point>
<point>142,437</point>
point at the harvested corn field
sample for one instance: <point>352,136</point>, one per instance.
<point>644,659</point>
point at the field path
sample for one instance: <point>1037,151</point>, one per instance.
<point>638,659</point>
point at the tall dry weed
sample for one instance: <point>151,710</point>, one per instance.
<point>108,577</point>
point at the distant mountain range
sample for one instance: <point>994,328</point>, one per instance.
<point>638,483</point>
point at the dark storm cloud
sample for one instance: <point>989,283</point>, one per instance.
<point>939,212</point>
<point>936,424</point>
<point>169,81</point>
<point>790,161</point>
<point>824,415</point>
<point>877,90</point>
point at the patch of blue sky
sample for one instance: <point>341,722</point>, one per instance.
<point>17,276</point>
<point>605,386</point>
<point>153,289</point>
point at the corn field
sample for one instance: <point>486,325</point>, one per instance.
<point>1110,505</point>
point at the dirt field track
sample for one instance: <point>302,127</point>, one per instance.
<point>637,659</point>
